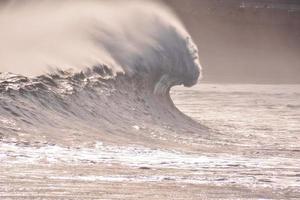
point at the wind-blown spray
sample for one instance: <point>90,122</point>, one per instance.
<point>130,37</point>
<point>124,56</point>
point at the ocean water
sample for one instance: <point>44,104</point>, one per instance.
<point>252,145</point>
<point>104,124</point>
<point>263,116</point>
<point>260,122</point>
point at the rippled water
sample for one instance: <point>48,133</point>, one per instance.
<point>252,151</point>
<point>261,119</point>
<point>251,115</point>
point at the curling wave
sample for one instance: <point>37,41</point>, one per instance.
<point>87,106</point>
<point>129,37</point>
<point>138,52</point>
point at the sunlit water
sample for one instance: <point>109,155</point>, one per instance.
<point>261,119</point>
<point>264,119</point>
<point>247,114</point>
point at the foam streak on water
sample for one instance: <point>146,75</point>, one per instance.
<point>134,156</point>
<point>251,144</point>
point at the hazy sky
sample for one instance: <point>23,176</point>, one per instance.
<point>255,41</point>
<point>245,40</point>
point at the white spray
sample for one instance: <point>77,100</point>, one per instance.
<point>127,36</point>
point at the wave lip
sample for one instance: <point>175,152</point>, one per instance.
<point>87,106</point>
<point>122,68</point>
<point>81,34</point>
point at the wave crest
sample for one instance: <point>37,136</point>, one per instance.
<point>112,65</point>
<point>87,106</point>
<point>135,38</point>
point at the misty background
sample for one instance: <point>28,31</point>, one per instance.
<point>244,41</point>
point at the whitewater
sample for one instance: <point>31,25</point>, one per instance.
<point>87,111</point>
<point>92,67</point>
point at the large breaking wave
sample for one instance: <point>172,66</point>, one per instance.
<point>111,65</point>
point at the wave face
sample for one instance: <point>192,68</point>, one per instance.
<point>124,58</point>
